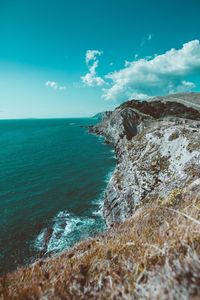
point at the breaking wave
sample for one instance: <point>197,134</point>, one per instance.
<point>67,228</point>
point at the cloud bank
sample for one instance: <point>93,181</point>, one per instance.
<point>91,78</point>
<point>162,74</point>
<point>55,85</point>
<point>150,76</point>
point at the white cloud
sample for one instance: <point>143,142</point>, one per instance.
<point>92,55</point>
<point>150,36</point>
<point>184,86</point>
<point>159,75</point>
<point>55,85</point>
<point>91,78</point>
<point>139,96</point>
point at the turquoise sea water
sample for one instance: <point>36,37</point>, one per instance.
<point>52,176</point>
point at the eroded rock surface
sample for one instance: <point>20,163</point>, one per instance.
<point>157,146</point>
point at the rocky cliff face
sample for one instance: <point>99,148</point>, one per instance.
<point>157,145</point>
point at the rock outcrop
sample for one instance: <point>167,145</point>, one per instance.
<point>157,146</point>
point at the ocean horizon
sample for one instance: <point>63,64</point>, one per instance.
<point>53,175</point>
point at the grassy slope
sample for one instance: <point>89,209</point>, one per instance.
<point>152,255</point>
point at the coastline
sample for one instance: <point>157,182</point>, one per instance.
<point>53,174</point>
<point>151,248</point>
<point>46,241</point>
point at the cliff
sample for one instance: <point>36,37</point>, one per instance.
<point>158,150</point>
<point>152,203</point>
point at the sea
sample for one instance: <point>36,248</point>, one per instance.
<point>52,178</point>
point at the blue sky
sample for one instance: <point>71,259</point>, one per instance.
<point>74,58</point>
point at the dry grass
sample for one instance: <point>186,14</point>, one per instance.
<point>152,255</point>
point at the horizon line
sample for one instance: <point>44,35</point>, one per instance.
<point>42,118</point>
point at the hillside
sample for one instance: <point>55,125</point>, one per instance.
<point>188,99</point>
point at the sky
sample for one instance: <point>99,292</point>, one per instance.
<point>76,58</point>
